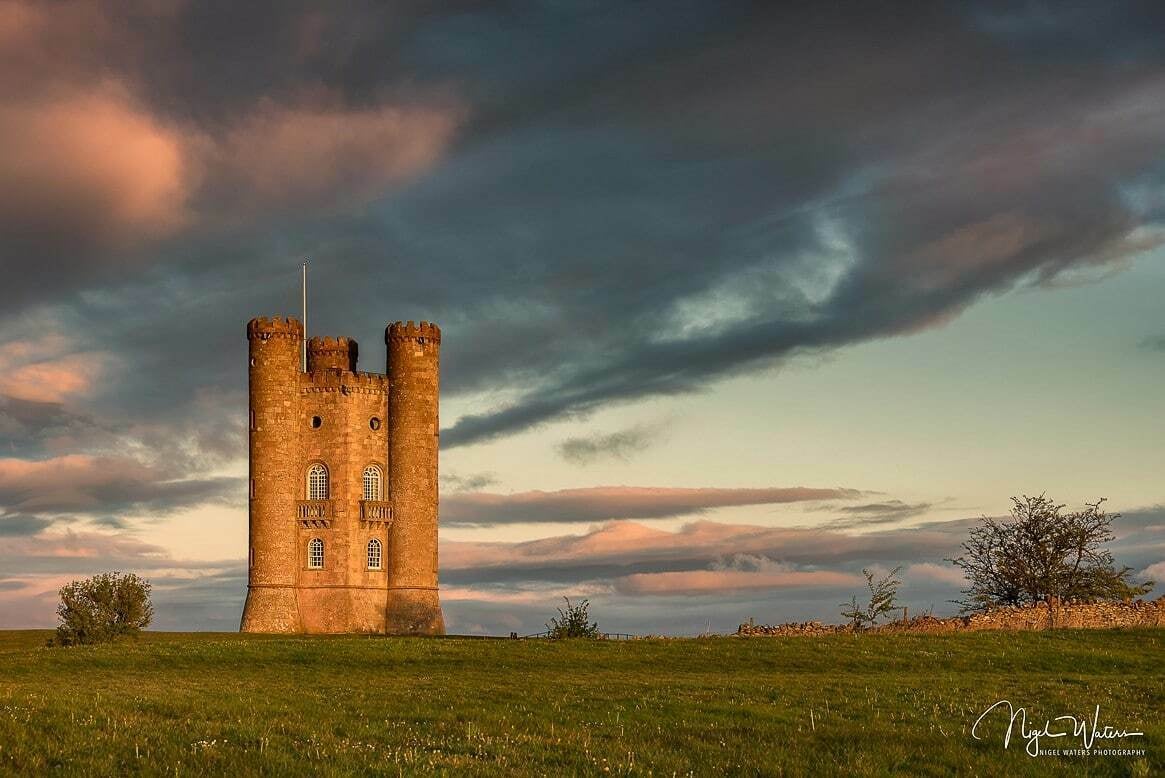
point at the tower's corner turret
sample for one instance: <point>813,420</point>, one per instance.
<point>421,332</point>
<point>265,327</point>
<point>414,605</point>
<point>275,351</point>
<point>332,354</point>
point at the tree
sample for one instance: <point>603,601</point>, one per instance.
<point>882,596</point>
<point>1040,552</point>
<point>574,622</point>
<point>103,608</point>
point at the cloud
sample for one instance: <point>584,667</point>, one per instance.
<point>450,166</point>
<point>43,369</point>
<point>1154,344</point>
<point>84,483</point>
<point>471,482</point>
<point>887,512</point>
<point>93,161</point>
<point>294,156</point>
<point>600,503</point>
<point>621,548</point>
<point>1154,572</point>
<point>616,445</point>
<point>21,524</point>
<point>932,572</point>
<point>188,593</point>
<point>727,581</point>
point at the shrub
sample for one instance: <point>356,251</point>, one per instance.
<point>882,596</point>
<point>1040,553</point>
<point>103,608</point>
<point>574,622</point>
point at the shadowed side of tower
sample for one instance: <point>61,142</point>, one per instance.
<point>275,351</point>
<point>414,605</point>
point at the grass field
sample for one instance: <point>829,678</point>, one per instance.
<point>191,704</point>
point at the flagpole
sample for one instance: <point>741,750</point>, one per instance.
<point>305,316</point>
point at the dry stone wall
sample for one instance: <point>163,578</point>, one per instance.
<point>1054,615</point>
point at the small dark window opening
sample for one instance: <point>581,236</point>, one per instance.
<point>374,423</point>
<point>316,422</point>
<point>252,556</point>
<point>252,488</point>
<point>252,420</point>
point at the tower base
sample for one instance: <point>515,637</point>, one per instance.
<point>414,612</point>
<point>270,609</point>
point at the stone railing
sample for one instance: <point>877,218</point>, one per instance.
<point>1053,615</point>
<point>313,509</point>
<point>375,510</point>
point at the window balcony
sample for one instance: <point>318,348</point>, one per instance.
<point>314,513</point>
<point>376,510</point>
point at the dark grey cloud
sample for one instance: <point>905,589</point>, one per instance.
<point>1154,344</point>
<point>21,524</point>
<point>621,444</point>
<point>627,202</point>
<point>885,512</point>
<point>600,503</point>
<point>86,484</point>
<point>469,482</point>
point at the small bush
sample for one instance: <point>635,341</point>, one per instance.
<point>574,622</point>
<point>103,608</point>
<point>882,600</point>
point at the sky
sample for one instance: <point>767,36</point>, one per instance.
<point>737,299</point>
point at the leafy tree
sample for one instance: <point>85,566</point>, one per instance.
<point>103,608</point>
<point>1040,552</point>
<point>573,622</point>
<point>882,597</point>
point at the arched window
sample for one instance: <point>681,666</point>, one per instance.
<point>372,481</point>
<point>317,482</point>
<point>374,554</point>
<point>315,554</point>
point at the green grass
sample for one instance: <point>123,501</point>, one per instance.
<point>191,704</point>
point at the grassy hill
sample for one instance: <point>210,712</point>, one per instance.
<point>191,704</point>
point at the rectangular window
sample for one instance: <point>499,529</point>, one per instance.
<point>252,420</point>
<point>252,488</point>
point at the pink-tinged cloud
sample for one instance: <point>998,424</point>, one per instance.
<point>87,483</point>
<point>693,582</point>
<point>931,572</point>
<point>92,160</point>
<point>43,369</point>
<point>33,569</point>
<point>601,503</point>
<point>282,155</point>
<point>623,542</point>
<point>52,380</point>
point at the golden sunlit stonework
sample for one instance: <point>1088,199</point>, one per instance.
<point>343,483</point>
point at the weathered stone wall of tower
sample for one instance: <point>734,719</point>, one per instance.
<point>342,426</point>
<point>413,368</point>
<point>275,352</point>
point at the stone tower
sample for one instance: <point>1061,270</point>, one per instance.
<point>343,484</point>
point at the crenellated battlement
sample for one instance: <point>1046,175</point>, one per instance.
<point>274,327</point>
<point>400,332</point>
<point>332,354</point>
<point>330,381</point>
<point>340,343</point>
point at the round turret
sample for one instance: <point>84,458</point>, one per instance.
<point>275,352</point>
<point>332,354</point>
<point>413,370</point>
